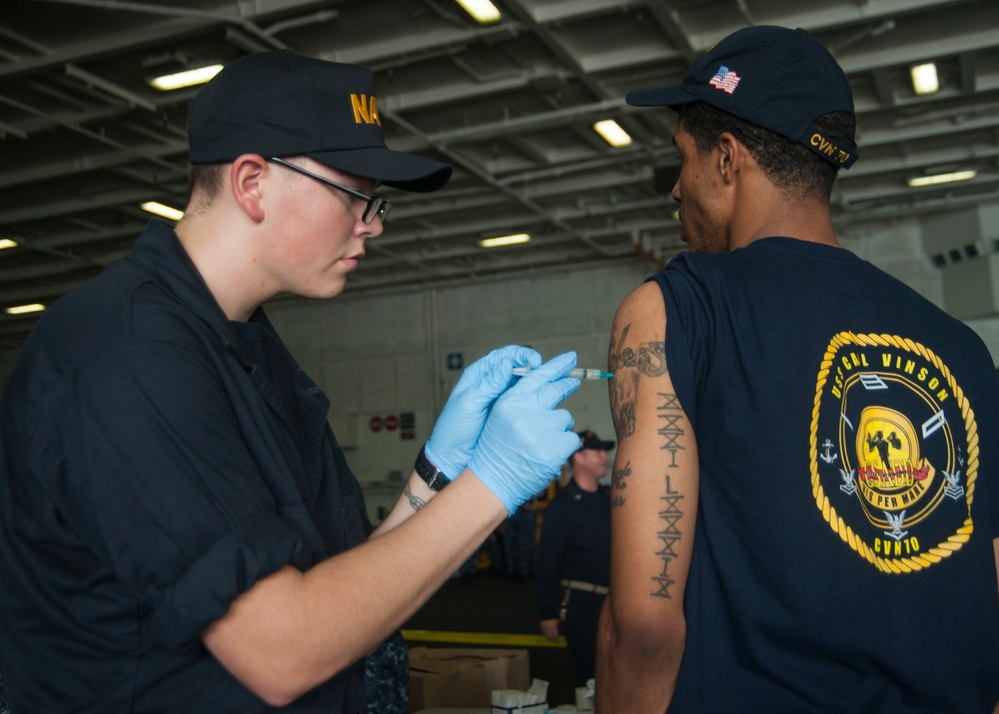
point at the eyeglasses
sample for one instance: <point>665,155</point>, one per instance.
<point>373,205</point>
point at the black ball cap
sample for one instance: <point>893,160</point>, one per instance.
<point>774,77</point>
<point>589,440</point>
<point>280,104</point>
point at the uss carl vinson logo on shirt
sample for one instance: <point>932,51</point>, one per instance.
<point>894,452</point>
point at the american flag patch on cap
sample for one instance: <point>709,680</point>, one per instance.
<point>725,80</point>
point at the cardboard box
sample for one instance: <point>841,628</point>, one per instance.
<point>463,677</point>
<point>539,708</point>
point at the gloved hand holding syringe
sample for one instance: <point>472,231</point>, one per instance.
<point>501,422</point>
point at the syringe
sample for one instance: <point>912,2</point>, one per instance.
<point>578,373</point>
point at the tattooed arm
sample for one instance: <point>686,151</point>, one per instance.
<point>654,504</point>
<point>415,496</point>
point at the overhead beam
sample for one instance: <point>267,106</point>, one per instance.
<point>180,24</point>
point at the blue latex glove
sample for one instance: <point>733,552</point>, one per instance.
<point>457,429</point>
<point>526,440</point>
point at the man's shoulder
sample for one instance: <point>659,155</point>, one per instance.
<point>118,321</point>
<point>122,303</point>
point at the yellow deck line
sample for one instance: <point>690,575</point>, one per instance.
<point>482,638</point>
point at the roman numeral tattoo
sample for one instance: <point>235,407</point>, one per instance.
<point>670,535</point>
<point>670,414</point>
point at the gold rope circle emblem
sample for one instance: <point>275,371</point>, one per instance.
<point>954,542</point>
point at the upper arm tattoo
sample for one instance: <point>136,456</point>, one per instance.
<point>630,364</point>
<point>618,484</point>
<point>623,392</point>
<point>670,535</point>
<point>671,428</point>
<point>649,358</point>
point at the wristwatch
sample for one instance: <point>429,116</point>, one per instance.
<point>428,471</point>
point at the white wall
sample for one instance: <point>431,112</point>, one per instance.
<point>970,286</point>
<point>903,249</point>
<point>897,248</point>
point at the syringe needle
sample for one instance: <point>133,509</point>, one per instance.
<point>578,373</point>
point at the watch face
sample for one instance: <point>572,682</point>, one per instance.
<point>894,452</point>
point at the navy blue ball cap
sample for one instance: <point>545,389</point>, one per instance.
<point>280,104</point>
<point>773,77</point>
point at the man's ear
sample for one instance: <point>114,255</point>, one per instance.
<point>246,176</point>
<point>730,157</point>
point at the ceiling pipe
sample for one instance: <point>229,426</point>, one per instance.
<point>24,41</point>
<point>6,129</point>
<point>292,23</point>
<point>93,135</point>
<point>486,177</point>
<point>110,87</point>
<point>246,25</point>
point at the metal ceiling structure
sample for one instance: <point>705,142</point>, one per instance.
<point>84,140</point>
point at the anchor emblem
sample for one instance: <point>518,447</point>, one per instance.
<point>828,457</point>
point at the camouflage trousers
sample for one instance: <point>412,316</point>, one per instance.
<point>386,677</point>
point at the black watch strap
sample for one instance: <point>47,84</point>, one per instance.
<point>428,471</point>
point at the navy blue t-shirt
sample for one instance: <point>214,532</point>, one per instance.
<point>847,438</point>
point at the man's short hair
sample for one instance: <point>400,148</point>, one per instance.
<point>789,165</point>
<point>204,182</point>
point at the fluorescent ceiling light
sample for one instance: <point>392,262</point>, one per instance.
<point>612,133</point>
<point>187,78</point>
<point>7,243</point>
<point>941,178</point>
<point>504,240</point>
<point>25,309</point>
<point>482,10</point>
<point>158,209</point>
<point>924,78</point>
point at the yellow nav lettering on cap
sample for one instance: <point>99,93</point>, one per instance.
<point>365,109</point>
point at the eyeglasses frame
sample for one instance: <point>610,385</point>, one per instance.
<point>381,205</point>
